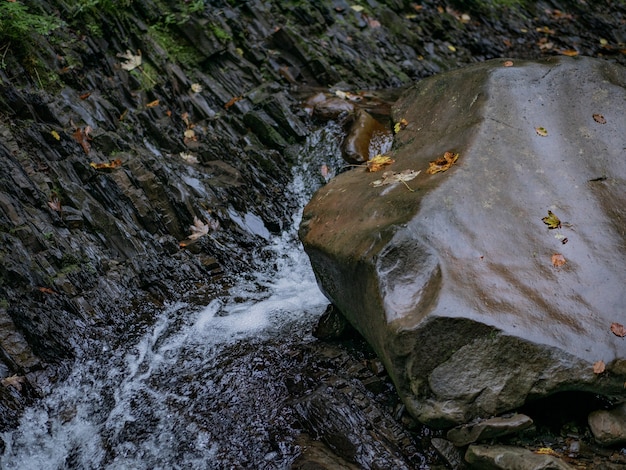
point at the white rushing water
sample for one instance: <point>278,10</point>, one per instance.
<point>197,390</point>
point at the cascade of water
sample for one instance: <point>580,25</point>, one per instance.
<point>197,390</point>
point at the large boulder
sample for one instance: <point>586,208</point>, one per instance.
<point>473,303</point>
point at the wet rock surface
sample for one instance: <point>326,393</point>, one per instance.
<point>459,290</point>
<point>207,128</point>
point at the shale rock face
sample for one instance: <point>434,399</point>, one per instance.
<point>454,284</point>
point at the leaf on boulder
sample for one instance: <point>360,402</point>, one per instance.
<point>443,163</point>
<point>196,87</point>
<point>378,162</point>
<point>618,329</point>
<point>400,125</point>
<point>552,221</point>
<point>542,131</point>
<point>390,177</point>
<point>107,165</point>
<point>152,104</point>
<point>55,134</point>
<point>131,61</point>
<point>599,118</point>
<point>598,367</point>
<point>558,260</point>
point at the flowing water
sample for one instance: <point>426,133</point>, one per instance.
<point>202,387</point>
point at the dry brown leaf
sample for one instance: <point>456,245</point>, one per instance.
<point>82,137</point>
<point>508,63</point>
<point>599,118</point>
<point>598,367</point>
<point>132,61</point>
<point>46,290</point>
<point>390,177</point>
<point>378,162</point>
<point>14,381</point>
<point>198,229</point>
<point>107,165</point>
<point>558,260</point>
<point>618,329</point>
<point>152,104</point>
<point>569,52</point>
<point>232,101</point>
<point>54,203</point>
<point>442,163</point>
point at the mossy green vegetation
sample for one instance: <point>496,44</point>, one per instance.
<point>17,22</point>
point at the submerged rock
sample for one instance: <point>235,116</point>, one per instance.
<point>472,301</point>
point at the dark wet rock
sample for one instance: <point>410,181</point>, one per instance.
<point>331,325</point>
<point>453,456</point>
<point>331,108</point>
<point>500,457</point>
<point>609,426</point>
<point>364,130</point>
<point>453,283</point>
<point>317,456</point>
<point>488,429</point>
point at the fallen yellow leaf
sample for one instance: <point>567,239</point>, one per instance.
<point>443,163</point>
<point>378,162</point>
<point>106,166</point>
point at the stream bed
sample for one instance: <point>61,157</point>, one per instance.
<point>201,387</point>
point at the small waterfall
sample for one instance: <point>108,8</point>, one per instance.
<point>201,388</point>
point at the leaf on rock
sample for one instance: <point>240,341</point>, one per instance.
<point>558,260</point>
<point>400,125</point>
<point>542,131</point>
<point>198,229</point>
<point>569,52</point>
<point>107,165</point>
<point>618,329</point>
<point>552,221</point>
<point>152,104</point>
<point>391,177</point>
<point>508,63</point>
<point>188,157</point>
<point>598,367</point>
<point>378,162</point>
<point>82,137</point>
<point>599,118</point>
<point>132,61</point>
<point>14,381</point>
<point>55,203</point>
<point>196,87</point>
<point>232,101</point>
<point>190,136</point>
<point>443,163</point>
<point>56,135</point>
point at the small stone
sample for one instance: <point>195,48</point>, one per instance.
<point>609,427</point>
<point>488,428</point>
